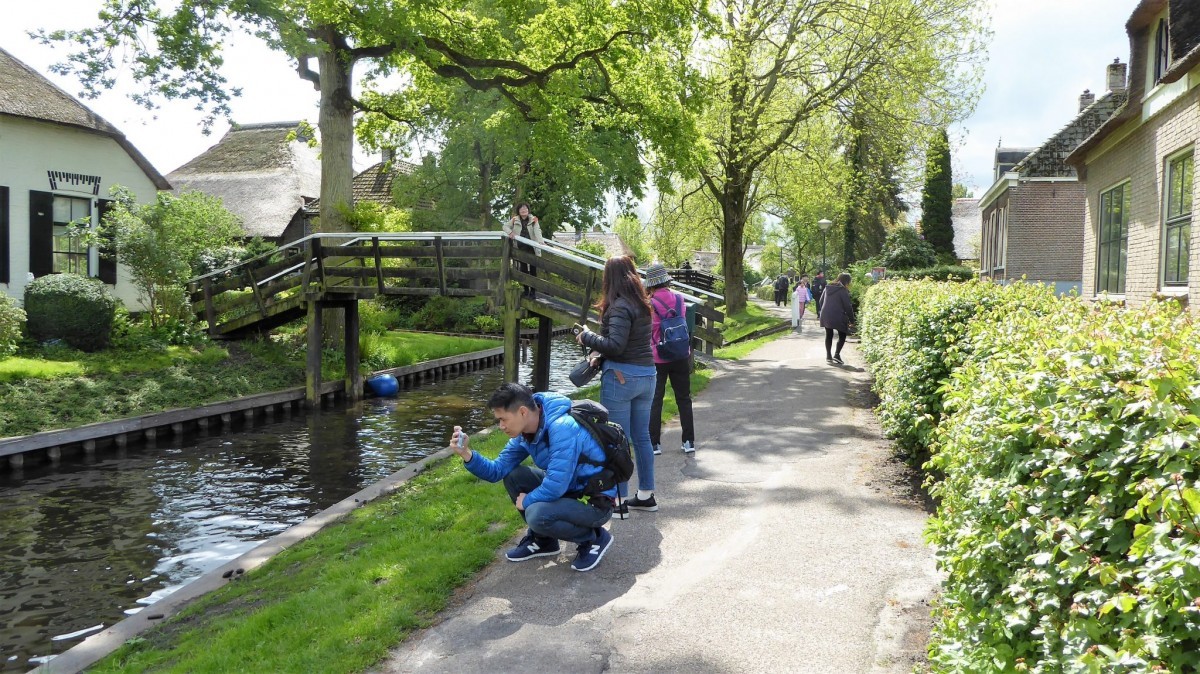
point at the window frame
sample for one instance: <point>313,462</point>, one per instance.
<point>1180,222</point>
<point>76,251</point>
<point>1109,247</point>
<point>1162,49</point>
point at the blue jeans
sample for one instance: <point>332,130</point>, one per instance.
<point>629,405</point>
<point>566,519</point>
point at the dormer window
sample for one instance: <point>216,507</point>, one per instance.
<point>1162,50</point>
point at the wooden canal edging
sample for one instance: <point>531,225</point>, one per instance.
<point>175,423</point>
<point>336,270</point>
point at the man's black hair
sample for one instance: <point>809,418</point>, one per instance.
<point>511,396</point>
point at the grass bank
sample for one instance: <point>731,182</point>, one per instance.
<point>753,318</point>
<point>48,389</point>
<point>337,602</point>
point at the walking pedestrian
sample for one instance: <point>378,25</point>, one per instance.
<point>818,290</point>
<point>527,226</point>
<point>801,296</point>
<point>668,304</point>
<point>628,374</point>
<point>781,290</point>
<point>837,313</point>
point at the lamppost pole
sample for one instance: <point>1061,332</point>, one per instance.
<point>824,225</point>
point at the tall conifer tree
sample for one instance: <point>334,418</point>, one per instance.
<point>937,198</point>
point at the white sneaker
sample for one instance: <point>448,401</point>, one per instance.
<point>657,450</point>
<point>688,447</point>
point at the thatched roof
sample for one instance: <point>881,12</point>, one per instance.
<point>261,176</point>
<point>24,92</point>
<point>374,185</point>
<point>967,219</point>
<point>613,245</point>
<point>1050,160</point>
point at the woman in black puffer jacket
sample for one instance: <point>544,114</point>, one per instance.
<point>627,382</point>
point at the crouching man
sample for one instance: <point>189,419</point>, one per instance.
<point>549,493</point>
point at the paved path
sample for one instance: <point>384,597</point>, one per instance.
<point>775,550</point>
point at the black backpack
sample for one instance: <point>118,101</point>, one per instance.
<point>618,459</point>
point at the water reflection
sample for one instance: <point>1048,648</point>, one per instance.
<point>86,544</point>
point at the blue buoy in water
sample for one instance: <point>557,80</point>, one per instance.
<point>383,385</point>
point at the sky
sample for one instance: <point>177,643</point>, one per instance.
<point>1043,54</point>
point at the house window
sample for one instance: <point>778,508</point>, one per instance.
<point>69,253</point>
<point>1177,228</point>
<point>1112,240</point>
<point>1162,50</point>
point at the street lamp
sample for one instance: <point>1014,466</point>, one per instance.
<point>824,225</point>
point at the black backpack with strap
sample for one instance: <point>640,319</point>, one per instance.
<point>618,458</point>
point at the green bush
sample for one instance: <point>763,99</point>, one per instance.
<point>80,311</point>
<point>1069,518</point>
<point>939,273</point>
<point>765,293</point>
<point>905,249</point>
<point>447,314</point>
<point>912,335</point>
<point>12,319</point>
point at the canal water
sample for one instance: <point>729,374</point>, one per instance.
<point>83,545</point>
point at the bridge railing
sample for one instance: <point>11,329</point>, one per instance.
<point>274,287</point>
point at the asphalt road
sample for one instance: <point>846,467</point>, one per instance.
<point>774,550</point>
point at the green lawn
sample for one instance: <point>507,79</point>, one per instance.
<point>43,390</point>
<point>736,326</point>
<point>337,602</point>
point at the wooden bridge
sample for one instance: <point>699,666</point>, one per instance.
<point>336,270</point>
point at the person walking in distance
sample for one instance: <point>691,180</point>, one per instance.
<point>818,290</point>
<point>525,225</point>
<point>781,290</point>
<point>628,374</point>
<point>837,313</point>
<point>801,296</point>
<point>674,367</point>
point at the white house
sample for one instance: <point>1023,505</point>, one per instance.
<point>58,160</point>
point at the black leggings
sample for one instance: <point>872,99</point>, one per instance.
<point>829,341</point>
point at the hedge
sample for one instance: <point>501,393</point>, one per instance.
<point>911,338</point>
<point>1068,524</point>
<point>943,272</point>
<point>12,320</point>
<point>76,309</point>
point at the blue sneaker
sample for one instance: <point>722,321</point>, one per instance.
<point>590,554</point>
<point>532,546</point>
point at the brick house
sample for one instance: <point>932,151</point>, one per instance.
<point>1032,214</point>
<point>1137,167</point>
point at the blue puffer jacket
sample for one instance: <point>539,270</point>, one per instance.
<point>555,449</point>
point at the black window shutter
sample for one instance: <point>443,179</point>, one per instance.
<point>4,235</point>
<point>41,233</point>
<point>108,249</point>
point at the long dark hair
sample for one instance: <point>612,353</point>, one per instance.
<point>621,280</point>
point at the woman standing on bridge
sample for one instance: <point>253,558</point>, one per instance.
<point>527,226</point>
<point>627,382</point>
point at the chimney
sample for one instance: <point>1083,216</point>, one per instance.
<point>1116,75</point>
<point>389,154</point>
<point>1086,99</point>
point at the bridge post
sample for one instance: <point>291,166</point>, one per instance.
<point>541,356</point>
<point>354,379</point>
<point>512,330</point>
<point>312,368</point>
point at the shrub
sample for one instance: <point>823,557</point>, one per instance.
<point>12,319</point>
<point>594,247</point>
<point>80,311</point>
<point>765,293</point>
<point>1069,518</point>
<point>912,335</point>
<point>905,249</point>
<point>939,273</point>
<point>446,314</point>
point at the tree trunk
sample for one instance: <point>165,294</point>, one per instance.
<point>485,186</point>
<point>733,213</point>
<point>336,124</point>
